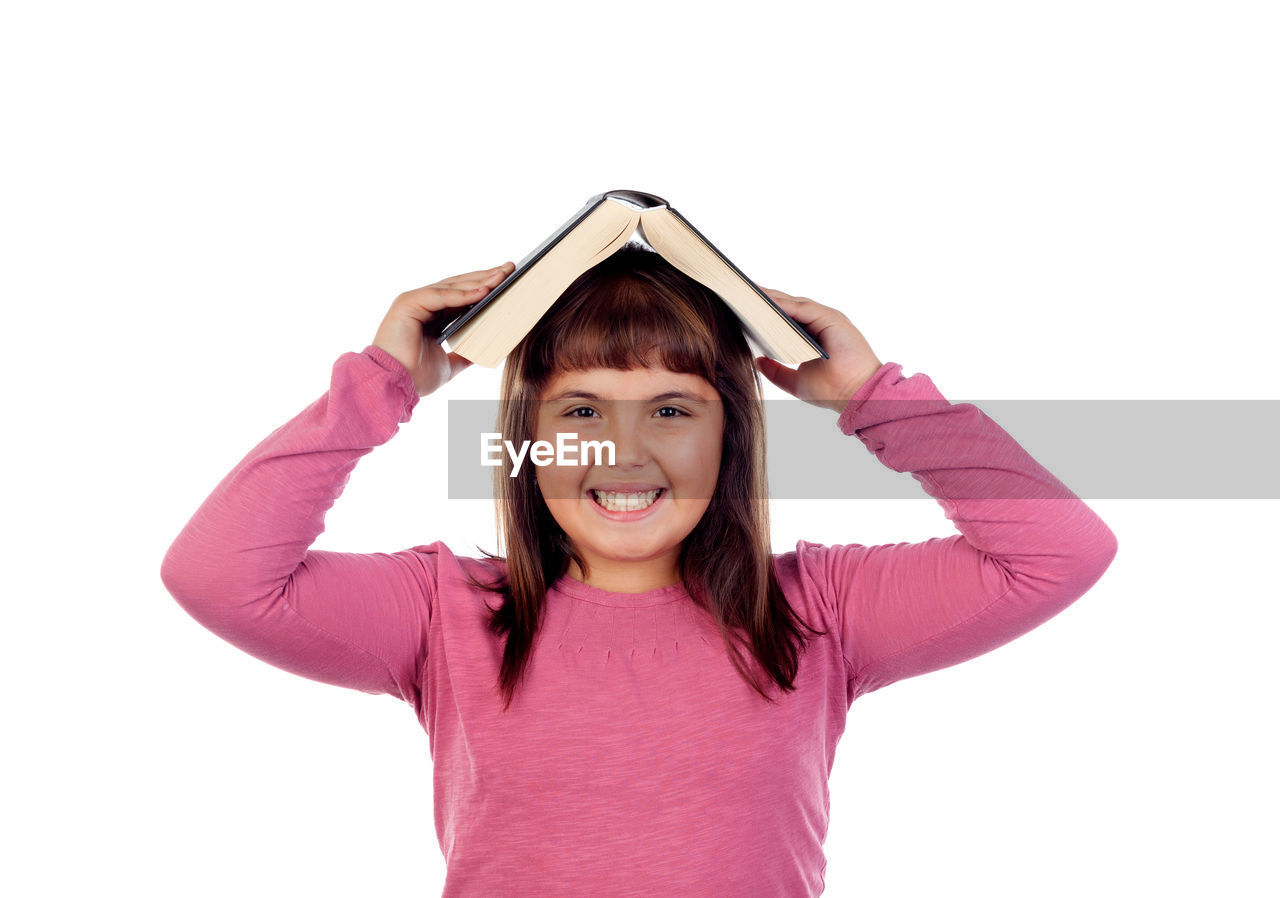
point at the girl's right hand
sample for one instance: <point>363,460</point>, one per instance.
<point>408,333</point>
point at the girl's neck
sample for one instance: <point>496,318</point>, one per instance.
<point>629,576</point>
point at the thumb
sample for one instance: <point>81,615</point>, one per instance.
<point>778,374</point>
<point>457,364</point>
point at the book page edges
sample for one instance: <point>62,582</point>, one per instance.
<point>687,251</point>
<point>595,238</point>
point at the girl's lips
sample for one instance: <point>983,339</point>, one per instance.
<point>637,515</point>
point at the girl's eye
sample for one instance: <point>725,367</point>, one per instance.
<point>590,412</point>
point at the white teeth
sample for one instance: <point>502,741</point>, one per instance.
<point>615,501</point>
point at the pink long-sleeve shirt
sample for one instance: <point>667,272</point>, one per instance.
<point>635,760</point>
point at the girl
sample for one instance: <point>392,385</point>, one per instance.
<point>638,698</point>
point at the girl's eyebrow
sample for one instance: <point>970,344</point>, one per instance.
<point>661,397</point>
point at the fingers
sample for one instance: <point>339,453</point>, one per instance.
<point>778,374</point>
<point>802,309</point>
<point>457,291</point>
<point>493,275</point>
<point>786,300</point>
<point>433,298</point>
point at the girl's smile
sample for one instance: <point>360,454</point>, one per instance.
<point>626,502</point>
<point>628,520</point>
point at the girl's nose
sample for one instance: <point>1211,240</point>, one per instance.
<point>629,448</point>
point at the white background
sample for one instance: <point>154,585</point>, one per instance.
<point>204,205</point>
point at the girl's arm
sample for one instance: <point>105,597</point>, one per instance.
<point>1028,547</point>
<point>242,568</point>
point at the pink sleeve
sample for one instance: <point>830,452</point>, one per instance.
<point>1028,547</point>
<point>241,565</point>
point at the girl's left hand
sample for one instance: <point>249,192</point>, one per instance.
<point>829,383</point>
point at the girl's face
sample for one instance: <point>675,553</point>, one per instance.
<point>666,428</point>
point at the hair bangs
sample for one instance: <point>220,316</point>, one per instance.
<point>627,321</point>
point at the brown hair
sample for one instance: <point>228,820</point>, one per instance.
<point>630,311</point>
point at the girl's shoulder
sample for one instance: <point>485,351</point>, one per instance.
<point>807,562</point>
<point>450,569</point>
<point>810,573</point>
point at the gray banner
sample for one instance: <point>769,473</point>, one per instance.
<point>1100,449</point>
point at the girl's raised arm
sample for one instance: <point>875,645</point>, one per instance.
<point>242,565</point>
<point>1028,547</point>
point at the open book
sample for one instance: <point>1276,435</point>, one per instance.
<point>487,331</point>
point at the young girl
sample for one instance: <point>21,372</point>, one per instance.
<point>638,698</point>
